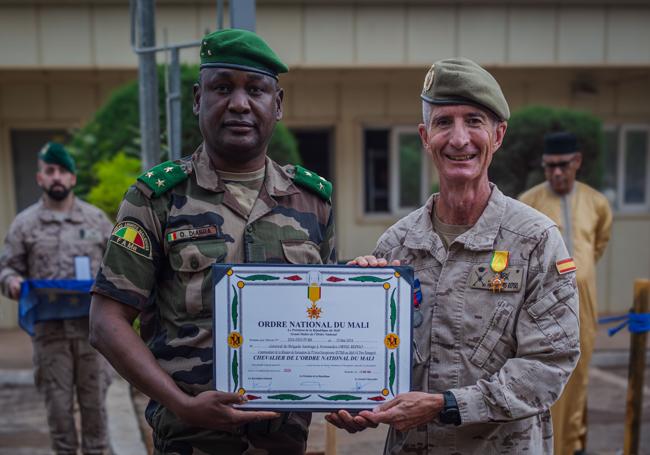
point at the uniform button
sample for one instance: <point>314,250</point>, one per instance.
<point>249,228</point>
<point>194,263</point>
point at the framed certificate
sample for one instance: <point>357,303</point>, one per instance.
<point>312,337</point>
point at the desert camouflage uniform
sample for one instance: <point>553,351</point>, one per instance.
<point>196,223</point>
<point>42,244</point>
<point>504,355</point>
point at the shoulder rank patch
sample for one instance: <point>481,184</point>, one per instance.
<point>565,266</point>
<point>133,237</point>
<point>163,177</point>
<point>312,182</point>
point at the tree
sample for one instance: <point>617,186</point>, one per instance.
<point>517,165</point>
<point>115,129</point>
<point>114,177</point>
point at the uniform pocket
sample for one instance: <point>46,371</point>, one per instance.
<point>190,263</point>
<point>193,257</point>
<point>553,312</point>
<point>301,252</point>
<point>486,355</point>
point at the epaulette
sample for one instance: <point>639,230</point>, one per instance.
<point>312,182</point>
<point>163,177</point>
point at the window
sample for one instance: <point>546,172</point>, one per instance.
<point>626,181</point>
<point>397,174</point>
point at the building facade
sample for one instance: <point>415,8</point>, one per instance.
<point>352,96</point>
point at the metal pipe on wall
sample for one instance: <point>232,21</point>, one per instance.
<point>148,84</point>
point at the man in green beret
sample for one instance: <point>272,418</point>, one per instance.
<point>495,323</point>
<point>51,240</point>
<point>227,203</point>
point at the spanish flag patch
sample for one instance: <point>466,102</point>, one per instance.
<point>565,266</point>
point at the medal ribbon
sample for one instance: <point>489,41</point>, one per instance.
<point>499,261</point>
<point>417,293</point>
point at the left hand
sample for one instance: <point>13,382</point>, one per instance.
<point>407,410</point>
<point>348,422</point>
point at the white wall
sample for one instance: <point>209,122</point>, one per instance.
<point>340,34</point>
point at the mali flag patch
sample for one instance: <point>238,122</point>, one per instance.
<point>565,266</point>
<point>133,237</point>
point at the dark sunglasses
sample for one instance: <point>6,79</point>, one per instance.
<point>560,164</point>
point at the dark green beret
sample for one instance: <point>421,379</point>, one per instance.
<point>55,153</point>
<point>560,143</point>
<point>461,81</point>
<point>242,50</point>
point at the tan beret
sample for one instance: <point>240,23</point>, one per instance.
<point>461,81</point>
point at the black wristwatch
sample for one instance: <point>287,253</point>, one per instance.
<point>450,413</point>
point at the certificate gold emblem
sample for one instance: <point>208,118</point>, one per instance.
<point>391,341</point>
<point>235,340</point>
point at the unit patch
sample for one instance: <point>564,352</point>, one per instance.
<point>133,237</point>
<point>481,278</point>
<point>192,234</point>
<point>565,266</point>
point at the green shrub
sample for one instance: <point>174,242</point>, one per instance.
<point>114,176</point>
<point>517,165</point>
<point>115,128</point>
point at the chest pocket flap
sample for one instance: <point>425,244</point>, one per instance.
<point>196,256</point>
<point>301,252</point>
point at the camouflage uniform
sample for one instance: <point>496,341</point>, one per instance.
<point>505,356</point>
<point>186,229</point>
<point>42,244</point>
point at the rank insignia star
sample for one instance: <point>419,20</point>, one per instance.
<point>169,169</point>
<point>320,186</point>
<point>160,183</point>
<point>308,174</point>
<point>149,174</point>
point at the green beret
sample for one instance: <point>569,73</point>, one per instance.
<point>461,81</point>
<point>241,50</point>
<point>55,153</point>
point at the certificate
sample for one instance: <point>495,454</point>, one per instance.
<point>312,337</point>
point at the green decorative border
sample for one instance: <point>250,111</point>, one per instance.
<point>369,279</point>
<point>258,277</point>
<point>287,396</point>
<point>393,310</point>
<point>233,308</point>
<point>341,397</point>
<point>234,368</point>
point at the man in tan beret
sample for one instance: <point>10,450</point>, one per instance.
<point>495,326</point>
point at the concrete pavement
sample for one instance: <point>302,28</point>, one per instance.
<point>23,426</point>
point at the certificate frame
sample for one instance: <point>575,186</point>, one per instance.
<point>311,303</point>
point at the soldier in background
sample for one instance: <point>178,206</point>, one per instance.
<point>42,243</point>
<point>585,220</point>
<point>227,203</point>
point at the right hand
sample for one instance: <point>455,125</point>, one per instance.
<point>372,261</point>
<point>13,284</point>
<point>213,410</point>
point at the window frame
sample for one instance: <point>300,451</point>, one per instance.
<point>394,180</point>
<point>622,130</point>
<point>426,177</point>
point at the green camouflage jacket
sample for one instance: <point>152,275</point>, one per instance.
<point>173,224</point>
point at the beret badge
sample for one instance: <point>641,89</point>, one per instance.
<point>428,80</point>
